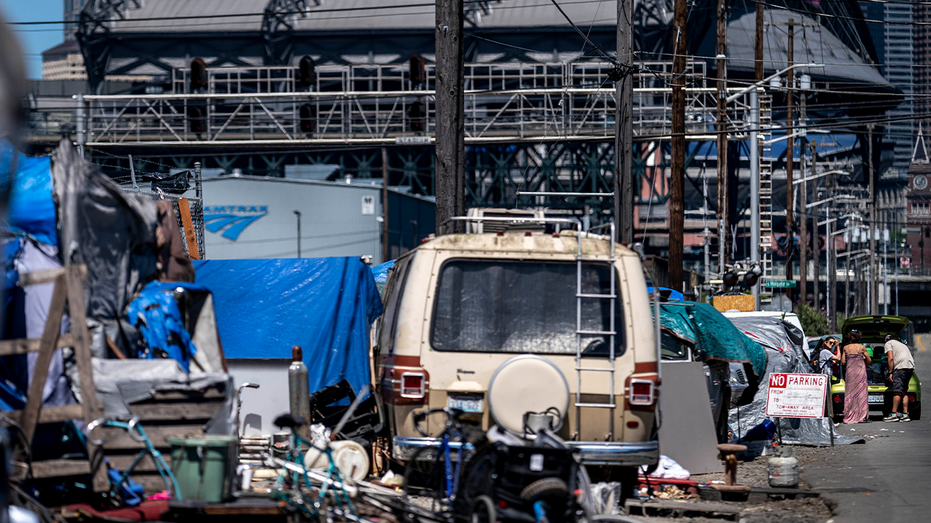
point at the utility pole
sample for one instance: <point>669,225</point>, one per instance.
<point>790,152</point>
<point>298,214</point>
<point>385,251</point>
<point>874,303</point>
<point>803,206</point>
<point>450,127</point>
<point>623,138</point>
<point>677,178</point>
<point>815,238</point>
<point>755,187</point>
<point>758,47</point>
<point>722,135</point>
<point>895,259</point>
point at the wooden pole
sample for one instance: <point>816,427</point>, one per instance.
<point>450,130</point>
<point>623,139</point>
<point>758,48</point>
<point>722,136</point>
<point>815,239</point>
<point>385,250</point>
<point>790,155</point>
<point>677,175</point>
<point>874,301</point>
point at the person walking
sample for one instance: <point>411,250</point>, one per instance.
<point>901,366</point>
<point>855,358</point>
<point>826,352</point>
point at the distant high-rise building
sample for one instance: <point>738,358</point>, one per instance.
<point>72,9</point>
<point>923,62</point>
<point>897,49</point>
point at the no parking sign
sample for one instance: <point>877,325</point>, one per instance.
<point>796,395</point>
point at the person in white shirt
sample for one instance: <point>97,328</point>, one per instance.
<point>901,366</point>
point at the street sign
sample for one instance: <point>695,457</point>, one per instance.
<point>779,284</point>
<point>905,262</point>
<point>796,395</point>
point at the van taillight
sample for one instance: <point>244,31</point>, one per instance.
<point>641,392</point>
<point>413,385</point>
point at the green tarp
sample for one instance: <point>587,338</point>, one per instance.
<point>710,331</point>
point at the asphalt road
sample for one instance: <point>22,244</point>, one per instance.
<point>888,479</point>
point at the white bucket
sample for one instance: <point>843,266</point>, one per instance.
<point>783,472</point>
<point>350,458</point>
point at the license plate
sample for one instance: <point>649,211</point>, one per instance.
<point>466,403</point>
<point>876,398</point>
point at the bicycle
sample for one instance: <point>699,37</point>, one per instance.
<point>331,483</point>
<point>436,466</point>
<point>132,427</point>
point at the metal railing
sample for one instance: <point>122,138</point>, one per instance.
<point>378,105</point>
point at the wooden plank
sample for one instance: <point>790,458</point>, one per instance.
<point>185,210</point>
<point>57,468</point>
<point>210,394</point>
<point>46,349</point>
<point>51,414</point>
<point>40,277</point>
<point>175,411</point>
<point>119,439</point>
<point>13,347</point>
<point>82,355</point>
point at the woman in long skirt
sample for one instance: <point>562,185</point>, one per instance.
<point>855,358</point>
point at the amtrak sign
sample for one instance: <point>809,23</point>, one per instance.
<point>231,220</point>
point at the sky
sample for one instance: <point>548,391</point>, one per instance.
<point>37,38</point>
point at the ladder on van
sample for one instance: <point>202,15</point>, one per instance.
<point>611,333</point>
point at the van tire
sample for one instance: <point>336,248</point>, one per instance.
<point>914,410</point>
<point>546,488</point>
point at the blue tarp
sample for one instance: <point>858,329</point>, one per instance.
<point>32,210</point>
<point>380,273</point>
<point>157,316</point>
<point>325,305</point>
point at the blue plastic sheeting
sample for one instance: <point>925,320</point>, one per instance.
<point>669,294</point>
<point>380,273</point>
<point>325,305</point>
<point>32,210</point>
<point>157,316</point>
<point>716,335</point>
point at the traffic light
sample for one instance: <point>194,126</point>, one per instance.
<point>730,279</point>
<point>197,118</point>
<point>198,79</point>
<point>415,115</point>
<point>752,276</point>
<point>417,70</point>
<point>308,116</point>
<point>307,71</point>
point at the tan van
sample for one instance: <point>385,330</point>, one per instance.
<point>459,307</point>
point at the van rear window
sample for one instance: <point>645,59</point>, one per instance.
<point>522,307</point>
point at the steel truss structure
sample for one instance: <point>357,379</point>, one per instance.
<point>529,127</point>
<point>504,103</point>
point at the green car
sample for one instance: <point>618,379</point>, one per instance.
<point>873,330</point>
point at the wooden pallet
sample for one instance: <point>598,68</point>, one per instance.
<point>68,289</point>
<point>166,415</point>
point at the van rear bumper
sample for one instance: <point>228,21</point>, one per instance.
<point>591,452</point>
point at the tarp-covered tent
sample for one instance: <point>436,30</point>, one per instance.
<point>783,344</point>
<point>710,331</point>
<point>325,305</point>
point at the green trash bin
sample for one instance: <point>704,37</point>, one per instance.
<point>205,467</point>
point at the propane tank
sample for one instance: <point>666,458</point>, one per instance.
<point>298,391</point>
<point>783,468</point>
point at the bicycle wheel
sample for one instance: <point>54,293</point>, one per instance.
<point>483,510</point>
<point>425,477</point>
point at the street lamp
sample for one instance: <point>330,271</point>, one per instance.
<point>298,214</point>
